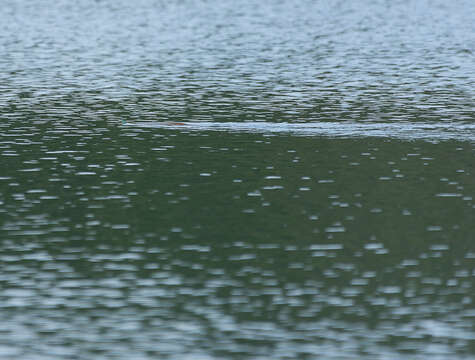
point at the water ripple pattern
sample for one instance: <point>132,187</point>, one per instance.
<point>245,180</point>
<point>219,61</point>
<point>434,132</point>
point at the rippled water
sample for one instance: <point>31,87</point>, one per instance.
<point>433,132</point>
<point>317,201</point>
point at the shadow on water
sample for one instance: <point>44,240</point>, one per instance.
<point>233,244</point>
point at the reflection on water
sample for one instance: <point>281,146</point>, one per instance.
<point>220,61</point>
<point>136,242</point>
<point>317,202</point>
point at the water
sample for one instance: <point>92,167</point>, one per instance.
<point>318,201</point>
<point>433,132</point>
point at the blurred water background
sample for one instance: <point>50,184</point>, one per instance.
<point>319,205</point>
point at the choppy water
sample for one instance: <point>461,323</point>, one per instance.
<point>318,201</point>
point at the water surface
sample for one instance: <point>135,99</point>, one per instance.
<point>318,201</point>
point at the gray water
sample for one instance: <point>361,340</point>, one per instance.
<point>317,201</point>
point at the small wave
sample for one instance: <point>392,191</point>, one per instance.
<point>401,130</point>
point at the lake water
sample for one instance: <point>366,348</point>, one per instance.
<point>316,203</point>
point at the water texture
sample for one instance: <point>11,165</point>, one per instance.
<point>268,60</point>
<point>316,203</point>
<point>434,132</point>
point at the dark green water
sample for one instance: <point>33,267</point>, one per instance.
<point>320,205</point>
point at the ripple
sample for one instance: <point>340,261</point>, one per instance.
<point>399,130</point>
<point>236,180</point>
